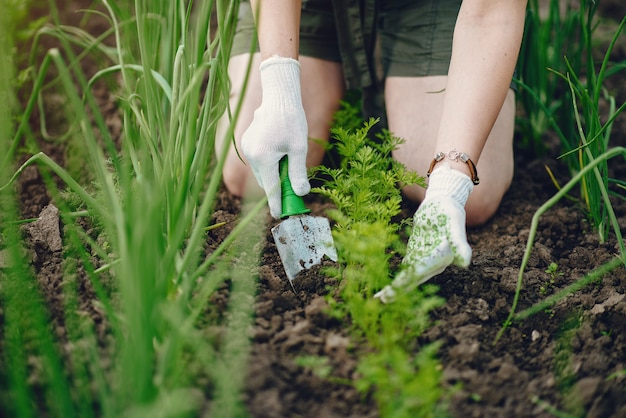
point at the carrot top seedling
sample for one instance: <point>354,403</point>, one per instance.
<point>365,188</point>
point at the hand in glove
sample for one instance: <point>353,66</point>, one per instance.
<point>438,238</point>
<point>279,128</point>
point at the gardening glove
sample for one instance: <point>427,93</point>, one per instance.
<point>279,128</point>
<point>438,238</point>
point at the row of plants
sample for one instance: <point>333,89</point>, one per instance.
<point>563,90</point>
<point>403,376</point>
<point>562,85</point>
<point>146,200</point>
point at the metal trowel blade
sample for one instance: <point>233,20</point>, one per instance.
<point>303,241</point>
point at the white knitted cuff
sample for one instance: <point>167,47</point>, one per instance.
<point>449,182</point>
<point>280,79</point>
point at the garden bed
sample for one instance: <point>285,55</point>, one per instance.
<point>570,356</point>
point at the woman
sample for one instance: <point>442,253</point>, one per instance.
<point>447,68</point>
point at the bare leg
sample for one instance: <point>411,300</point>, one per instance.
<point>322,88</point>
<point>414,108</point>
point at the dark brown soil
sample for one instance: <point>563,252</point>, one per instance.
<point>571,356</point>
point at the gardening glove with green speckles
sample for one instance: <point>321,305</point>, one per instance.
<point>279,128</point>
<point>438,238</point>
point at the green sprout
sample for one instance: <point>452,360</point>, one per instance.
<point>553,273</point>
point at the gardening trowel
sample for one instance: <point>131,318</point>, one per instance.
<point>302,240</point>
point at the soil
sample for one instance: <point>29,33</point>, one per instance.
<point>519,376</point>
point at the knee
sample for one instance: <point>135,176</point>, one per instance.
<point>478,212</point>
<point>236,179</point>
<point>414,193</point>
<point>484,202</point>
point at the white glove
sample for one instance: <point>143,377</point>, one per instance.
<point>438,238</point>
<point>279,128</point>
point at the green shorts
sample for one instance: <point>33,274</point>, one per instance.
<point>415,36</point>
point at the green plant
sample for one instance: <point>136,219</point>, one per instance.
<point>553,273</point>
<point>593,133</point>
<point>15,325</point>
<point>405,385</point>
<point>617,374</point>
<point>149,197</point>
<point>349,116</point>
<point>591,173</point>
<point>563,371</point>
<point>565,376</point>
<point>7,68</point>
<point>550,34</point>
<point>551,409</point>
<point>590,277</point>
<point>365,188</point>
<point>562,87</point>
<point>317,364</point>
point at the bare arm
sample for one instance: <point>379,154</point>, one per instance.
<point>486,45</point>
<point>279,127</point>
<point>278,26</point>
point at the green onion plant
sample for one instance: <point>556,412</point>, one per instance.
<point>149,196</point>
<point>594,127</point>
<point>563,88</point>
<point>596,274</point>
<point>552,31</point>
<point>588,151</point>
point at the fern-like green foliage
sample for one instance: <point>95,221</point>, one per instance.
<point>366,185</point>
<point>366,190</point>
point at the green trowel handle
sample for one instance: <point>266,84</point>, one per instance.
<point>292,203</point>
